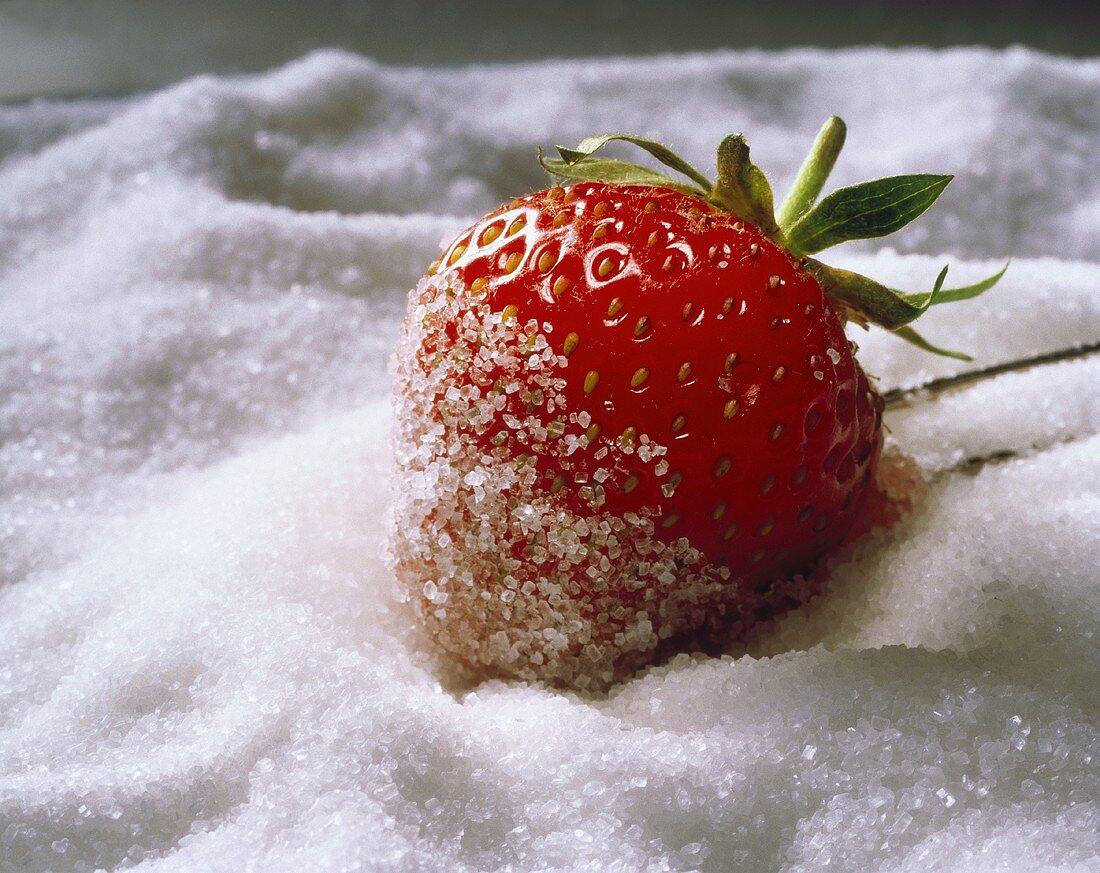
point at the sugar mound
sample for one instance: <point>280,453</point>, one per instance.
<point>202,666</point>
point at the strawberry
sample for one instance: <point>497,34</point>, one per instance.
<point>628,416</point>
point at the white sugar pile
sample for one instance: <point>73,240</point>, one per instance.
<point>201,667</point>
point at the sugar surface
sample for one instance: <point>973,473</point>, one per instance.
<point>201,667</point>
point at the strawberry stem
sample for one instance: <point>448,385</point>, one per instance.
<point>899,397</point>
<point>813,173</point>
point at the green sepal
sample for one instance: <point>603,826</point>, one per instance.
<point>909,335</point>
<point>951,295</point>
<point>662,153</point>
<point>866,300</point>
<point>614,172</point>
<point>742,187</point>
<point>813,173</point>
<point>864,211</point>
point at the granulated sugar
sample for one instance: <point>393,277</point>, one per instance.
<point>202,662</point>
<point>458,507</point>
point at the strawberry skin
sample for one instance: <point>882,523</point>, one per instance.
<point>706,386</point>
<point>707,337</point>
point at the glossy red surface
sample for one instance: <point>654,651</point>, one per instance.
<point>707,337</point>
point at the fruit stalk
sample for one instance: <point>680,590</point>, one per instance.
<point>900,397</point>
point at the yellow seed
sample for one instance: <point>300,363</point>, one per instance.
<point>653,237</point>
<point>591,381</point>
<point>516,226</point>
<point>776,433</point>
<point>555,193</point>
<point>512,262</point>
<point>639,377</point>
<point>729,533</point>
<point>758,555</point>
<point>730,409</point>
<point>731,362</point>
<point>601,208</point>
<point>509,313</point>
<point>479,285</point>
<point>605,268</point>
<point>433,267</point>
<point>570,344</point>
<point>651,206</point>
<point>600,232</point>
<point>641,325</point>
<point>593,432</point>
<point>561,219</point>
<point>630,484</point>
<point>490,235</point>
<point>629,435</point>
<point>558,483</point>
<point>718,511</point>
<point>560,286</point>
<point>667,265</point>
<point>722,466</point>
<point>767,527</point>
<point>615,306</point>
<point>670,519</point>
<point>456,254</point>
<point>683,372</point>
<point>689,308</point>
<point>727,305</point>
<point>675,479</point>
<point>779,373</point>
<point>546,261</point>
<point>679,423</point>
<point>767,484</point>
<point>774,282</point>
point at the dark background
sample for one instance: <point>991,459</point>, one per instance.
<point>105,47</point>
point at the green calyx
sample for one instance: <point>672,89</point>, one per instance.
<point>801,224</point>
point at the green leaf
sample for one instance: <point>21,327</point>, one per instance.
<point>909,335</point>
<point>742,187</point>
<point>923,301</point>
<point>663,154</point>
<point>868,299</point>
<point>813,173</point>
<point>613,172</point>
<point>953,294</point>
<point>866,210</point>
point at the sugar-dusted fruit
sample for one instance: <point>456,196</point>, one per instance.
<point>628,416</point>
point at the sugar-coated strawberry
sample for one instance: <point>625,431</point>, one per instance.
<point>628,416</point>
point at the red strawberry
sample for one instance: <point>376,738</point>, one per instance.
<point>628,415</point>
